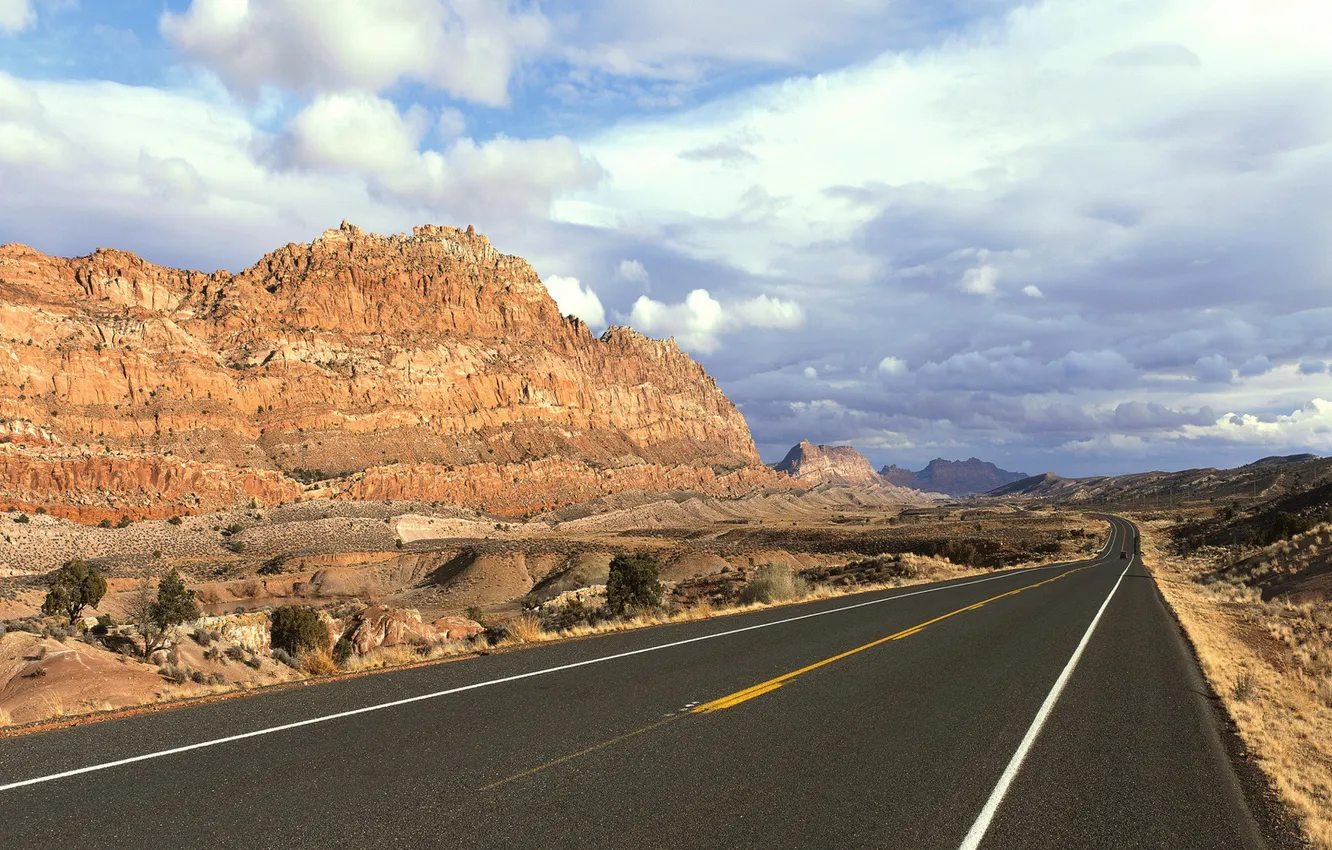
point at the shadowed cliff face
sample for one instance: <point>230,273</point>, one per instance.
<point>428,366</point>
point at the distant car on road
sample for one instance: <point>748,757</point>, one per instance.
<point>1123,554</point>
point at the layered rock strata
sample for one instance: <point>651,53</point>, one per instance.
<point>426,366</point>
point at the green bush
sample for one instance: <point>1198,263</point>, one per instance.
<point>124,522</point>
<point>634,582</point>
<point>297,629</point>
<point>104,625</point>
<point>175,520</point>
<point>342,651</point>
<point>105,523</point>
<point>75,586</point>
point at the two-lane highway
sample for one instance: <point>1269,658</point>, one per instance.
<point>1052,707</point>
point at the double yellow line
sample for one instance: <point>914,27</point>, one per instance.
<point>762,688</point>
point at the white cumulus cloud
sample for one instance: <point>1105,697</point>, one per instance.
<point>892,366</point>
<point>16,15</point>
<point>576,299</point>
<point>980,280</point>
<point>632,271</point>
<point>468,48</point>
<point>700,320</point>
<point>1032,291</point>
<point>368,135</point>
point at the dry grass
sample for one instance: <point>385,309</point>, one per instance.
<point>318,663</point>
<point>1272,666</point>
<point>526,628</point>
<point>5,718</point>
<point>401,654</point>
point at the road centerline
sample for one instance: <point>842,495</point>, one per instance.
<point>754,691</point>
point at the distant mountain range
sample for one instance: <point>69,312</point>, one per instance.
<point>953,477</point>
<point>1268,477</point>
<point>844,465</point>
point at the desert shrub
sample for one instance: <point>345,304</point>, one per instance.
<point>473,613</point>
<point>236,546</point>
<point>634,582</point>
<point>175,520</point>
<point>197,677</point>
<point>105,523</point>
<point>271,567</point>
<point>205,637</point>
<point>214,653</point>
<point>297,629</point>
<point>572,615</point>
<point>57,631</point>
<point>104,625</point>
<point>23,518</point>
<point>343,651</point>
<point>235,653</point>
<point>1284,525</point>
<point>75,586</point>
<point>174,673</point>
<point>30,625</point>
<point>254,662</point>
<point>773,583</point>
<point>283,657</point>
<point>216,679</point>
<point>318,663</point>
<point>125,522</point>
<point>234,528</point>
<point>526,627</point>
<point>1243,687</point>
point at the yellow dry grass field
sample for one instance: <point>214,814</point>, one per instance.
<point>1271,664</point>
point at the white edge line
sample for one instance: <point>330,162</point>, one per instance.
<point>982,824</point>
<point>489,682</point>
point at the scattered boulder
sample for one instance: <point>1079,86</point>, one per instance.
<point>379,625</point>
<point>457,628</point>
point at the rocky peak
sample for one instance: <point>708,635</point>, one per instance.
<point>827,465</point>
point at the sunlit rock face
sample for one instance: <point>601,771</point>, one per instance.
<point>425,366</point>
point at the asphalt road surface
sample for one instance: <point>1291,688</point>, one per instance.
<point>1056,707</point>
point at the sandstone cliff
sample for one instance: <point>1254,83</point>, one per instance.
<point>828,465</point>
<point>359,366</point>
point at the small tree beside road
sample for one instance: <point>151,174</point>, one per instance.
<point>634,583</point>
<point>155,612</point>
<point>75,587</point>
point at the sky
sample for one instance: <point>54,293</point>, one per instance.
<point>1086,236</point>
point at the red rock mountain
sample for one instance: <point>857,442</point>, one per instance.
<point>828,465</point>
<point>426,366</point>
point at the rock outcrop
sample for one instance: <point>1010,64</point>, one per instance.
<point>953,477</point>
<point>426,366</point>
<point>828,465</point>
